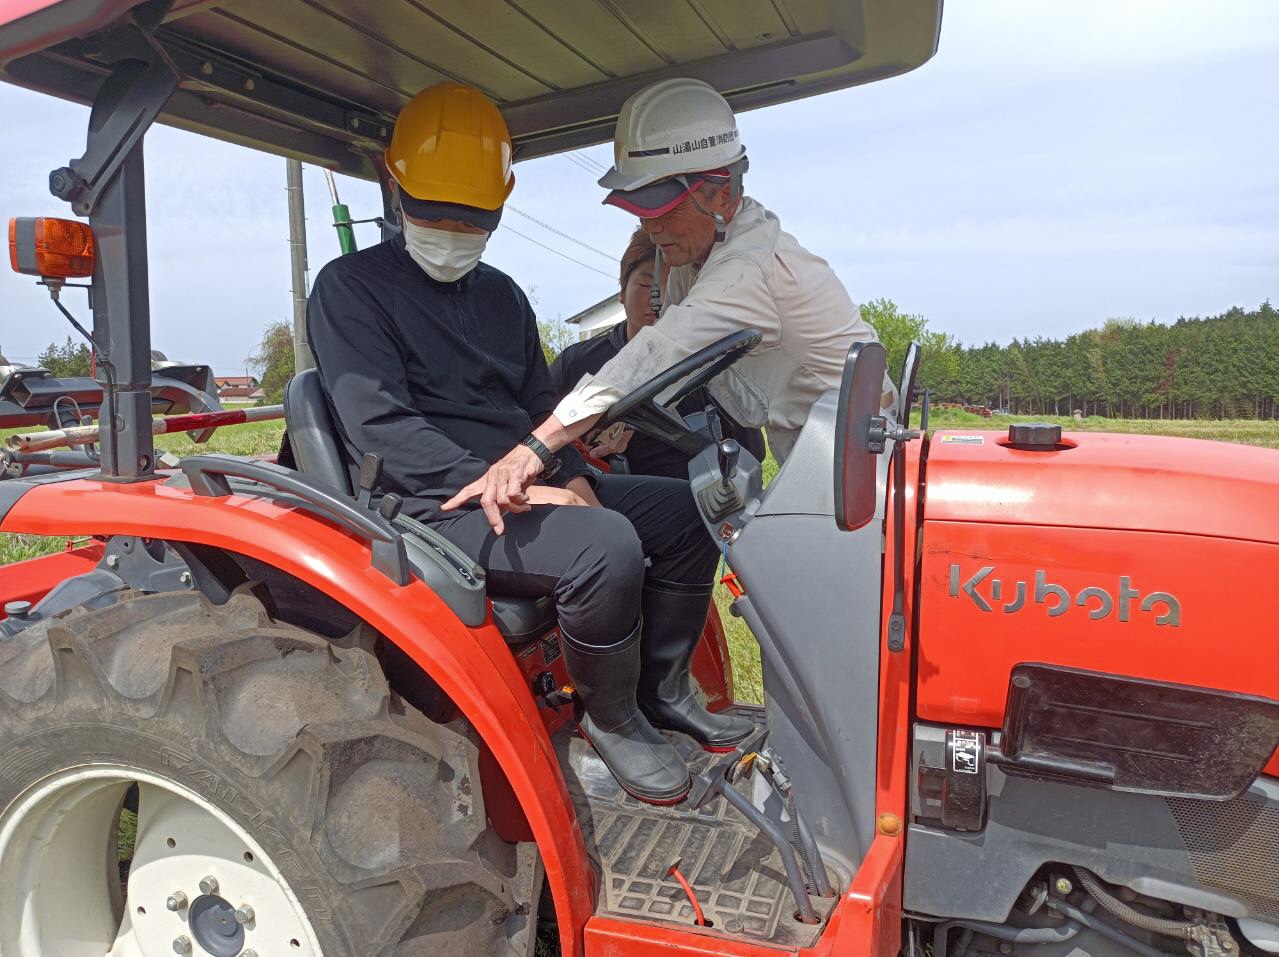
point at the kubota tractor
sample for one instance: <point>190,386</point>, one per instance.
<point>1020,688</point>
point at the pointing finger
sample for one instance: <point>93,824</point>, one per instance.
<point>462,497</point>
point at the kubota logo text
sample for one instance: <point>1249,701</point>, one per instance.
<point>987,593</point>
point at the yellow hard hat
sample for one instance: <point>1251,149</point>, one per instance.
<point>451,145</point>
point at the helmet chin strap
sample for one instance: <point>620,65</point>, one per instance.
<point>655,290</point>
<point>734,197</point>
<point>721,228</point>
<point>720,225</point>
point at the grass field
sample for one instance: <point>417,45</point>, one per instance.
<point>264,438</point>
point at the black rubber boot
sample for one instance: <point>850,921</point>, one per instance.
<point>674,615</point>
<point>645,764</point>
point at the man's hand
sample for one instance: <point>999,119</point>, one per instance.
<point>502,487</point>
<point>611,441</point>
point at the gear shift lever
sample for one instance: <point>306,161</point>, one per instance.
<point>729,451</point>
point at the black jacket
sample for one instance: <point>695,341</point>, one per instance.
<point>645,456</point>
<point>440,379</point>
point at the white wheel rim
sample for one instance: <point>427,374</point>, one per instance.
<point>56,875</point>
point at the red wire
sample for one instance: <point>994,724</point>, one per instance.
<point>699,917</point>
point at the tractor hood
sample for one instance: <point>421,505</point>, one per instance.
<point>1132,555</point>
<point>1107,481</point>
<point>323,80</point>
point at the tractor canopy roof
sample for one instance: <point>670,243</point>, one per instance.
<point>322,80</point>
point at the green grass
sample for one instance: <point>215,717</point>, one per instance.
<point>252,438</point>
<point>18,548</point>
<point>748,677</point>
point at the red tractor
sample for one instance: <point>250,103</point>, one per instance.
<point>1020,692</point>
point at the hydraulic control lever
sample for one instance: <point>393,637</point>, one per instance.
<point>370,476</point>
<point>390,506</point>
<point>713,422</point>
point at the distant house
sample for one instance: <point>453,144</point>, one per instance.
<point>236,381</point>
<point>597,318</point>
<point>241,387</point>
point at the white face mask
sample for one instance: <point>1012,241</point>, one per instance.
<point>444,256</point>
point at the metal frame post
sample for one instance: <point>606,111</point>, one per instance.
<point>107,184</point>
<point>302,357</point>
<point>122,321</point>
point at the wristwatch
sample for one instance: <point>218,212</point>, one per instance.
<point>550,461</point>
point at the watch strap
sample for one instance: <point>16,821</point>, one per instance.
<point>550,461</point>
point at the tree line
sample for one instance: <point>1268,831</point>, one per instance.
<point>1217,367</point>
<point>1224,366</point>
<point>67,361</point>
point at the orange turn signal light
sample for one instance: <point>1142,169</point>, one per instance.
<point>51,248</point>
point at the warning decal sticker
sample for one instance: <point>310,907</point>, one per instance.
<point>965,753</point>
<point>963,440</point>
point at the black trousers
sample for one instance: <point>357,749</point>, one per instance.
<point>593,561</point>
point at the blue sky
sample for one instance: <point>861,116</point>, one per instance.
<point>1052,166</point>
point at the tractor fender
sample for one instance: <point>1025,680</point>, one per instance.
<point>471,665</point>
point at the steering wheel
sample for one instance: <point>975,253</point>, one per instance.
<point>640,409</point>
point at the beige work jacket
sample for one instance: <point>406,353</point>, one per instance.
<point>759,277</point>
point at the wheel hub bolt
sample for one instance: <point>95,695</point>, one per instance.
<point>182,945</point>
<point>209,885</point>
<point>176,901</point>
<point>244,914</point>
<point>1063,886</point>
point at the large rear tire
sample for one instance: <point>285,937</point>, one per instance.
<point>288,803</point>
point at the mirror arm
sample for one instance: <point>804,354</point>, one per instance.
<point>897,619</point>
<point>141,81</point>
<point>880,433</point>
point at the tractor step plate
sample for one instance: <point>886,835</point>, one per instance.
<point>735,870</point>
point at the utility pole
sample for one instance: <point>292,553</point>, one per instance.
<point>302,357</point>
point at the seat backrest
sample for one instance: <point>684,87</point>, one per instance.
<point>317,448</point>
<point>319,453</point>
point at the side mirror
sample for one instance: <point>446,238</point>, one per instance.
<point>855,457</point>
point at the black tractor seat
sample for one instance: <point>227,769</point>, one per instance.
<point>318,452</point>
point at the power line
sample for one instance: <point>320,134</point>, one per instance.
<point>588,170</point>
<point>584,162</point>
<point>590,162</point>
<point>557,252</point>
<point>563,235</point>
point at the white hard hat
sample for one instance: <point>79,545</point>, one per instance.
<point>670,128</point>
